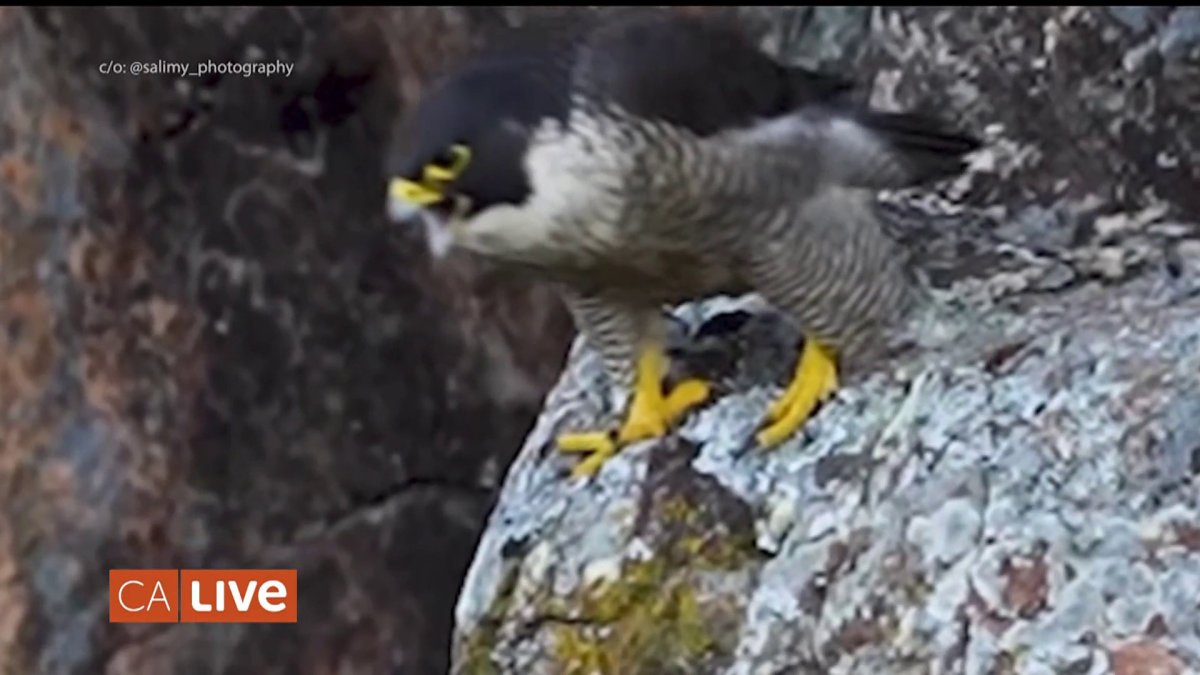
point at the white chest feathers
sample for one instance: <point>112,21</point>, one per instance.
<point>576,205</point>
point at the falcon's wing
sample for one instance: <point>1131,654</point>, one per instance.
<point>701,74</point>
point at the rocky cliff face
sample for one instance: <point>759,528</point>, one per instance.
<point>215,352</point>
<point>1089,103</point>
<point>1016,495</point>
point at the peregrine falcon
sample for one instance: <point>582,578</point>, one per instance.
<point>658,158</point>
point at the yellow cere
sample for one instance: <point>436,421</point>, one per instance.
<point>430,189</point>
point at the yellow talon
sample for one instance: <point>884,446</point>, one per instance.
<point>598,445</point>
<point>650,413</point>
<point>685,396</point>
<point>592,463</point>
<point>585,442</point>
<point>815,379</point>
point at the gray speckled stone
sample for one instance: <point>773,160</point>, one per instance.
<point>971,515</point>
<point>1084,102</point>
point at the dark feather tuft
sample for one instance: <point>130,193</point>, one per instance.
<point>930,149</point>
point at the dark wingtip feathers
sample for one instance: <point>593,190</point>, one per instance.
<point>928,146</point>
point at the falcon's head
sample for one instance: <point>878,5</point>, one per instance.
<point>463,147</point>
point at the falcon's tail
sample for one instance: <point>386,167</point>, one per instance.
<point>852,146</point>
<point>927,148</point>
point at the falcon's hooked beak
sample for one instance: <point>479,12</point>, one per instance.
<point>430,199</point>
<point>408,197</point>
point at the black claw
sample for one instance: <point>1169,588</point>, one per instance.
<point>749,444</point>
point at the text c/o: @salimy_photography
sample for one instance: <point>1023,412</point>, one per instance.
<point>274,68</point>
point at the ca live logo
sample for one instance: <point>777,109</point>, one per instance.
<point>202,596</point>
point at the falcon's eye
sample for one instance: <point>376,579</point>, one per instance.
<point>453,159</point>
<point>445,159</point>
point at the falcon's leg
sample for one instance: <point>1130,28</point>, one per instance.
<point>651,413</point>
<point>629,342</point>
<point>814,380</point>
<point>801,292</point>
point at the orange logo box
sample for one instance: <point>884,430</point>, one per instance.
<point>143,596</point>
<point>202,596</point>
<point>238,596</point>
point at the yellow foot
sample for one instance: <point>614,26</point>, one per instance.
<point>597,445</point>
<point>650,414</point>
<point>814,381</point>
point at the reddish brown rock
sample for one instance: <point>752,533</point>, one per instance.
<point>1143,657</point>
<point>215,351</point>
<point>1027,585</point>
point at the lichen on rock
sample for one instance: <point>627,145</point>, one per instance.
<point>984,504</point>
